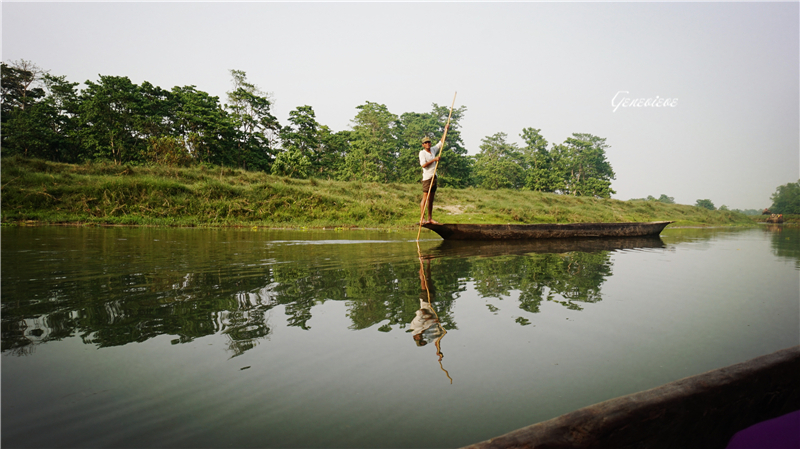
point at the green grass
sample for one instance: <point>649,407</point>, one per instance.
<point>103,193</point>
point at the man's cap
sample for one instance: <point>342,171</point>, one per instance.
<point>427,139</point>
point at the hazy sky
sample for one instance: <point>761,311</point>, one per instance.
<point>732,136</point>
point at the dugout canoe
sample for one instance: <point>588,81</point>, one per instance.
<point>702,411</point>
<point>449,231</point>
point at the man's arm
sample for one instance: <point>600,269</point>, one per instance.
<point>424,165</point>
<point>424,162</point>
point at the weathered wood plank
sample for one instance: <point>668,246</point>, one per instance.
<point>702,411</point>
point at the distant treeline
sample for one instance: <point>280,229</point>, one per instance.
<point>45,116</point>
<point>708,204</point>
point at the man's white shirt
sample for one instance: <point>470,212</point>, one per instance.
<point>425,157</point>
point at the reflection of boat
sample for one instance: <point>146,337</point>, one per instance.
<point>501,247</point>
<point>545,230</point>
<point>775,218</point>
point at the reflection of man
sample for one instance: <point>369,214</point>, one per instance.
<point>425,327</point>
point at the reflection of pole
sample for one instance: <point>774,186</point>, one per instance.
<point>439,351</point>
<point>438,342</point>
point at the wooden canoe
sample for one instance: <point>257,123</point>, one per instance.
<point>702,411</point>
<point>545,230</point>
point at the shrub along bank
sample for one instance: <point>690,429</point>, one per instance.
<point>104,193</point>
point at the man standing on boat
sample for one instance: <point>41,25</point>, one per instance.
<point>428,159</point>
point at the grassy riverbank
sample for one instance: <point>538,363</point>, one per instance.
<point>103,193</point>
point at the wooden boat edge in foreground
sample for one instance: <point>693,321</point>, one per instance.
<point>702,411</point>
<point>461,231</point>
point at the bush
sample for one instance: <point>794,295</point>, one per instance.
<point>705,204</point>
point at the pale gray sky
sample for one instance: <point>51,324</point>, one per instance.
<point>732,137</point>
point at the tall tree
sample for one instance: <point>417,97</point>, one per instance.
<point>498,165</point>
<point>256,128</point>
<point>61,106</point>
<point>334,147</point>
<point>21,84</point>
<point>24,130</point>
<point>109,113</point>
<point>541,174</point>
<point>374,146</point>
<point>154,116</point>
<point>786,199</point>
<point>203,125</point>
<point>581,160</point>
<point>38,113</point>
<point>300,157</point>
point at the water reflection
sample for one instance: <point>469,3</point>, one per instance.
<point>426,327</point>
<point>785,242</point>
<point>465,248</point>
<point>563,271</point>
<point>115,287</point>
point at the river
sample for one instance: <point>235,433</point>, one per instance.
<point>147,337</point>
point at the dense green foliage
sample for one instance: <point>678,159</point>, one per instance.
<point>577,167</point>
<point>103,192</point>
<point>705,204</point>
<point>114,119</point>
<point>786,199</point>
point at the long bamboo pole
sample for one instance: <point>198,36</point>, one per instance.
<point>436,167</point>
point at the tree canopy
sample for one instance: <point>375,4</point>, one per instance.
<point>115,119</point>
<point>705,204</point>
<point>499,165</point>
<point>786,199</point>
<point>576,167</point>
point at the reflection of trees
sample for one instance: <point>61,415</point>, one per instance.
<point>574,277</point>
<point>112,287</point>
<point>111,291</point>
<point>785,242</point>
<point>194,306</point>
<point>390,292</point>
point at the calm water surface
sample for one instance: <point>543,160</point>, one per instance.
<point>242,338</point>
